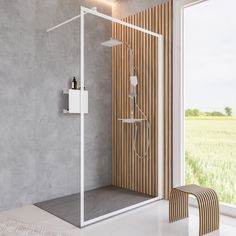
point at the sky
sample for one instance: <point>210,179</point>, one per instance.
<point>210,55</point>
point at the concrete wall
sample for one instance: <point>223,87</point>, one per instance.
<point>124,8</point>
<point>39,146</point>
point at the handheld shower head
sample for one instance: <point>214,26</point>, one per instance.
<point>134,80</point>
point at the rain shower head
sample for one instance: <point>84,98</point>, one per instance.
<point>115,42</point>
<point>111,43</point>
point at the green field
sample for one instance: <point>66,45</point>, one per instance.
<point>210,149</point>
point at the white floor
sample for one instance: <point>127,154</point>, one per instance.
<point>151,220</point>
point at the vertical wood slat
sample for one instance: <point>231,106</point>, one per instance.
<point>119,114</point>
<point>170,92</point>
<point>122,113</point>
<point>128,171</point>
<point>125,108</point>
<point>136,164</point>
<point>151,104</point>
<point>141,102</point>
<point>146,96</point>
<point>165,8</point>
<point>129,128</point>
<point>113,109</point>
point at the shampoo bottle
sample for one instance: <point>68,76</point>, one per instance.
<point>74,83</point>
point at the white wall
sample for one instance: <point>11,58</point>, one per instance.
<point>124,8</point>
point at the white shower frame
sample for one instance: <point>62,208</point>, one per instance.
<point>83,12</point>
<point>160,39</point>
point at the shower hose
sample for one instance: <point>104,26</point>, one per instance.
<point>145,154</point>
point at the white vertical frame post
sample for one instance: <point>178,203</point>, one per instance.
<point>81,118</point>
<point>178,157</point>
<point>160,116</point>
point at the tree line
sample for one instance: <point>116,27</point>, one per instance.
<point>196,112</point>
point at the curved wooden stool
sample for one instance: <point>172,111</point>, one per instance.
<point>208,206</point>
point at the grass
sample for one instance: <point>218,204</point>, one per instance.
<point>210,154</point>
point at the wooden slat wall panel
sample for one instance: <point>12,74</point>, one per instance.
<point>129,171</point>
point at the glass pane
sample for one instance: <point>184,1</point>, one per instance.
<point>121,125</point>
<point>98,121</point>
<point>58,144</point>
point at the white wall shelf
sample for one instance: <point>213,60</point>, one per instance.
<point>75,104</point>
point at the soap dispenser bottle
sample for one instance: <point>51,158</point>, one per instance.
<point>74,83</point>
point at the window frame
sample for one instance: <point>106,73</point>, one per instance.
<point>178,101</point>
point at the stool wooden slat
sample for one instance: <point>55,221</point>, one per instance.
<point>207,202</point>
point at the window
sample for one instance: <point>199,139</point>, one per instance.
<point>204,96</point>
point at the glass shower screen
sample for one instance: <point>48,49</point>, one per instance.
<point>121,68</point>
<point>116,163</point>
